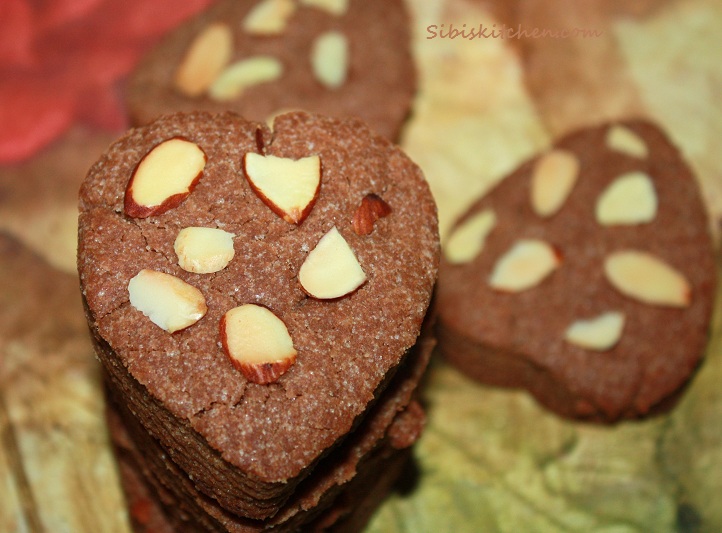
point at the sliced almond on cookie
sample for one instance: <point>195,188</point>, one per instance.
<point>622,139</point>
<point>553,179</point>
<point>257,343</point>
<point>203,250</point>
<point>243,74</point>
<point>269,17</point>
<point>164,178</point>
<point>335,7</point>
<point>270,119</point>
<point>467,240</point>
<point>205,59</point>
<point>524,266</point>
<point>330,59</point>
<point>331,269</point>
<point>288,186</point>
<point>169,302</point>
<point>371,209</point>
<point>599,333</point>
<point>645,277</point>
<point>628,200</point>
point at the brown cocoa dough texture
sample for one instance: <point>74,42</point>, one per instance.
<point>517,339</point>
<point>184,389</point>
<point>379,85</point>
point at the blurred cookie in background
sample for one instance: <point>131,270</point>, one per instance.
<point>260,58</point>
<point>586,276</point>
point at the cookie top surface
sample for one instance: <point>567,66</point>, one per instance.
<point>344,346</point>
<point>260,57</point>
<point>592,261</point>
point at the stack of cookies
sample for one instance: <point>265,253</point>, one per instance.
<point>257,298</point>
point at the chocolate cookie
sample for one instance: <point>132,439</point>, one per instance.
<point>254,295</point>
<point>340,495</point>
<point>586,276</point>
<point>258,57</point>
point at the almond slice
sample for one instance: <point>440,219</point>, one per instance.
<point>599,333</point>
<point>288,186</point>
<point>524,266</point>
<point>329,59</point>
<point>243,74</point>
<point>203,250</point>
<point>169,302</point>
<point>628,200</point>
<point>467,240</point>
<point>205,59</point>
<point>164,178</point>
<point>553,179</point>
<point>331,269</point>
<point>645,277</point>
<point>371,209</point>
<point>334,7</point>
<point>270,119</point>
<point>257,343</point>
<point>269,17</point>
<point>622,139</point>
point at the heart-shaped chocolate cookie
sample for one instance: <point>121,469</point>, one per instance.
<point>586,276</point>
<point>255,297</point>
<point>259,57</point>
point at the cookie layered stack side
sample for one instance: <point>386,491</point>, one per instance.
<point>257,299</point>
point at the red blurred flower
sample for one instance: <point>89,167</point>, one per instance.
<point>61,62</point>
